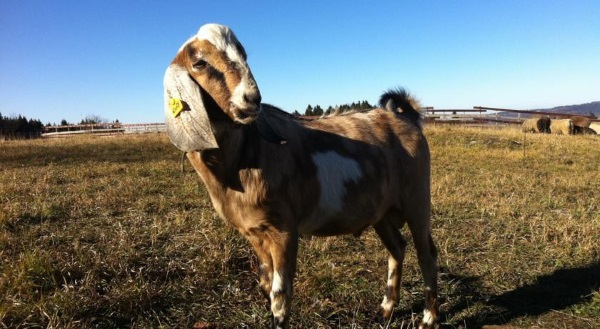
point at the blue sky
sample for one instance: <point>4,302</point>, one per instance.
<point>70,59</point>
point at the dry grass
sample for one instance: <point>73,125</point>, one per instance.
<point>107,233</point>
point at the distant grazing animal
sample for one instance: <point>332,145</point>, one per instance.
<point>537,125</point>
<point>274,176</point>
<point>595,127</point>
<point>581,121</point>
<point>580,125</point>
<point>561,126</point>
<point>585,131</point>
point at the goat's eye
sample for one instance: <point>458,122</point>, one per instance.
<point>200,64</point>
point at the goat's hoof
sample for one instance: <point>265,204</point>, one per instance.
<point>430,320</point>
<point>280,322</point>
<point>387,309</point>
<point>387,314</point>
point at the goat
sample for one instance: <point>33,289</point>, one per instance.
<point>274,176</point>
<point>581,125</point>
<point>581,121</point>
<point>561,126</point>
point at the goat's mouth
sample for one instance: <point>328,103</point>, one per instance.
<point>244,104</point>
<point>244,116</point>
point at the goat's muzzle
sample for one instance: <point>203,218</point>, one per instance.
<point>247,111</point>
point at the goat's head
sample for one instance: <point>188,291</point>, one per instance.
<point>211,64</point>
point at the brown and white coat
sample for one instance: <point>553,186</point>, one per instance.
<point>274,176</point>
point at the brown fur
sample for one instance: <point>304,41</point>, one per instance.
<point>273,192</point>
<point>270,192</point>
<point>581,125</point>
<point>582,122</point>
<point>218,77</point>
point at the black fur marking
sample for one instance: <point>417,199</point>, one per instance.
<point>396,98</point>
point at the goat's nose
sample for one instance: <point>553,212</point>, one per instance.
<point>253,98</point>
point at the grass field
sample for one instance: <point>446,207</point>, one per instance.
<point>110,233</point>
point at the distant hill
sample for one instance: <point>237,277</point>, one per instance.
<point>586,109</point>
<point>592,108</point>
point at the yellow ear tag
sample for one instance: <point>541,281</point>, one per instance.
<point>176,106</point>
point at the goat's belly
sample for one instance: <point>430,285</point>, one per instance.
<point>323,224</point>
<point>351,215</point>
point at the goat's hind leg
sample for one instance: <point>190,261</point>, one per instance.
<point>427,256</point>
<point>396,245</point>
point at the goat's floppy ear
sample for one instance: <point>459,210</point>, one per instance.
<point>266,128</point>
<point>186,118</point>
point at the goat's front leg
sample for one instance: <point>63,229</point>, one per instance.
<point>265,268</point>
<point>283,248</point>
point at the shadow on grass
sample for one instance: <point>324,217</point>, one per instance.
<point>557,291</point>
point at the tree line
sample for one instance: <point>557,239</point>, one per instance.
<point>317,110</point>
<point>19,127</point>
<point>88,120</point>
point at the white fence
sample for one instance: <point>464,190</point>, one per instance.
<point>103,129</point>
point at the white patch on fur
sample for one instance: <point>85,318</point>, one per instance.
<point>387,305</point>
<point>390,273</point>
<point>277,306</point>
<point>237,96</point>
<point>333,171</point>
<point>428,317</point>
<point>238,99</point>
<point>223,39</point>
<point>277,286</point>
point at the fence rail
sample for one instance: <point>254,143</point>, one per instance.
<point>550,114</point>
<point>475,117</point>
<point>102,129</point>
<point>478,115</point>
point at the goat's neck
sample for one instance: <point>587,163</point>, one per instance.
<point>238,147</point>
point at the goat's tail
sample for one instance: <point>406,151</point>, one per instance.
<point>400,101</point>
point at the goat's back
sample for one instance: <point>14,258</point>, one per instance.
<point>348,171</point>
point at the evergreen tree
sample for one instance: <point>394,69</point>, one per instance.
<point>354,106</point>
<point>364,105</point>
<point>318,111</point>
<point>20,127</point>
<point>21,124</point>
<point>308,111</point>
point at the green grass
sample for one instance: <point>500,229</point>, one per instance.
<point>109,233</point>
